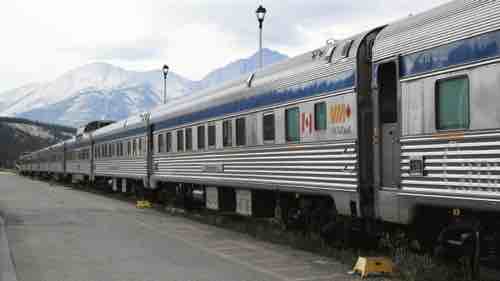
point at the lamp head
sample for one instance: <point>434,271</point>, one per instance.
<point>165,70</point>
<point>261,13</point>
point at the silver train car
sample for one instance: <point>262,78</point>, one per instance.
<point>398,124</point>
<point>121,153</point>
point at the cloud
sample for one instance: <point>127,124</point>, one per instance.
<point>43,39</point>
<point>137,50</point>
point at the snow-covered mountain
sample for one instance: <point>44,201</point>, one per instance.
<point>101,91</point>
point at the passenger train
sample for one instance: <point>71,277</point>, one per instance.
<point>398,124</point>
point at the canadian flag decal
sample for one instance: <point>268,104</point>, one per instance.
<point>306,122</point>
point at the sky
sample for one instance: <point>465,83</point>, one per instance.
<point>41,40</point>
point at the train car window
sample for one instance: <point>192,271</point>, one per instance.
<point>139,144</point>
<point>346,48</point>
<point>240,131</point>
<point>134,147</point>
<point>201,137</point>
<point>169,141</point>
<point>160,143</point>
<point>189,139</point>
<point>180,140</point>
<point>268,127</point>
<point>110,150</point>
<point>320,116</point>
<point>211,135</point>
<point>292,124</point>
<point>121,148</point>
<point>452,103</point>
<point>227,133</point>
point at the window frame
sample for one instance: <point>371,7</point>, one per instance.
<point>180,141</point>
<point>228,143</point>
<point>188,145</point>
<point>168,142</point>
<point>325,121</point>
<point>240,140</point>
<point>273,140</point>
<point>159,143</point>
<point>209,126</point>
<point>286,124</point>
<point>200,138</point>
<point>436,102</point>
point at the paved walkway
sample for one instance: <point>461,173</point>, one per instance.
<point>58,233</point>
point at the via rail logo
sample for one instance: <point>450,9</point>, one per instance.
<point>340,113</point>
<point>340,118</point>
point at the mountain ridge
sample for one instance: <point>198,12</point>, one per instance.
<point>100,90</point>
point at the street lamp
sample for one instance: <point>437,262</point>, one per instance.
<point>261,13</point>
<point>165,73</point>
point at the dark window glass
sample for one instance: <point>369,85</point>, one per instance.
<point>452,104</point>
<point>160,143</point>
<point>129,148</point>
<point>240,131</point>
<point>201,137</point>
<point>292,124</point>
<point>169,141</point>
<point>320,116</point>
<point>268,127</point>
<point>134,147</point>
<point>189,139</point>
<point>346,48</point>
<point>211,135</point>
<point>180,140</point>
<point>227,133</point>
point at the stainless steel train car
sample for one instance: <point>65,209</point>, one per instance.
<point>292,127</point>
<point>121,153</point>
<point>78,157</point>
<point>398,124</point>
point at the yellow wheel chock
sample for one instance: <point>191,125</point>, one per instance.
<point>141,204</point>
<point>367,265</point>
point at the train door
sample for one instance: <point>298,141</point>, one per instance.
<point>389,124</point>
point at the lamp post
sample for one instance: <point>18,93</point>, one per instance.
<point>261,13</point>
<point>165,73</point>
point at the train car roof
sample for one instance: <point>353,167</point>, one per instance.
<point>295,71</point>
<point>123,126</point>
<point>444,24</point>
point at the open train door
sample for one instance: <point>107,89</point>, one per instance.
<point>388,127</point>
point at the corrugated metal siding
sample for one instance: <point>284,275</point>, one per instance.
<point>448,23</point>
<point>56,167</point>
<point>331,166</point>
<point>78,167</point>
<point>466,166</point>
<point>123,168</point>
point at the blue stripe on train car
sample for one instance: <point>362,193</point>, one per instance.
<point>341,81</point>
<point>485,46</point>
